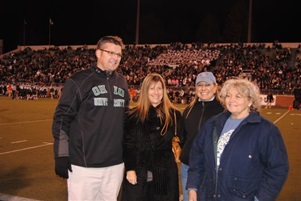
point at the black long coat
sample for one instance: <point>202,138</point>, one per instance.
<point>149,153</point>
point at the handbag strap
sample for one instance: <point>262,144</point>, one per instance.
<point>175,120</point>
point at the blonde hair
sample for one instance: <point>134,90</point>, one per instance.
<point>245,88</point>
<point>143,103</point>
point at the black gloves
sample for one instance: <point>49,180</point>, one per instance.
<point>62,165</point>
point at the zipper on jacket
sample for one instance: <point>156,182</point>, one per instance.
<point>215,140</point>
<point>201,117</point>
<point>109,90</point>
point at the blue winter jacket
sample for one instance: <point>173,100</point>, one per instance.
<point>253,163</point>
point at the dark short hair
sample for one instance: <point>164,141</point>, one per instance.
<point>110,39</point>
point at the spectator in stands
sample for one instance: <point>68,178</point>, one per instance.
<point>238,154</point>
<point>274,67</point>
<point>151,170</point>
<point>203,106</point>
<point>88,126</point>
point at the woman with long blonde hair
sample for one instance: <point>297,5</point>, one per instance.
<point>151,170</point>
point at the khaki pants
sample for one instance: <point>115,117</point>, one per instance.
<point>101,184</point>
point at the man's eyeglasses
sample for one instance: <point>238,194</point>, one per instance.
<point>111,53</point>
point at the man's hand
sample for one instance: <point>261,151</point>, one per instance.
<point>62,165</point>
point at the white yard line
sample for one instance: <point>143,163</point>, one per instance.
<point>28,148</point>
<point>281,117</point>
<point>17,142</point>
<point>25,122</point>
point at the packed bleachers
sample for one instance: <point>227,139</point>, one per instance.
<point>31,74</point>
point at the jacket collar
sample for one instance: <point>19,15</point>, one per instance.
<point>220,119</point>
<point>103,73</point>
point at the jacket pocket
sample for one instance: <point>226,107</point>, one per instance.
<point>245,188</point>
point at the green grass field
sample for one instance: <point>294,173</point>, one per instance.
<point>26,152</point>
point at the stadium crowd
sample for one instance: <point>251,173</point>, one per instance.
<point>31,74</point>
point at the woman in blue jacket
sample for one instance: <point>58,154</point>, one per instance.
<point>238,154</point>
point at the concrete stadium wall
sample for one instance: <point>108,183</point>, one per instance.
<point>40,47</point>
<point>279,100</point>
<point>284,100</point>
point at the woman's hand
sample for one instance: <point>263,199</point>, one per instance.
<point>131,177</point>
<point>192,195</point>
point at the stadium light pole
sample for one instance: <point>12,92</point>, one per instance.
<point>49,29</point>
<point>137,22</point>
<point>24,31</point>
<point>49,34</point>
<point>250,22</point>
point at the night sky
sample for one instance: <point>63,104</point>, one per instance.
<point>161,21</point>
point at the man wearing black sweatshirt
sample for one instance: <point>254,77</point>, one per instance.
<point>88,126</point>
